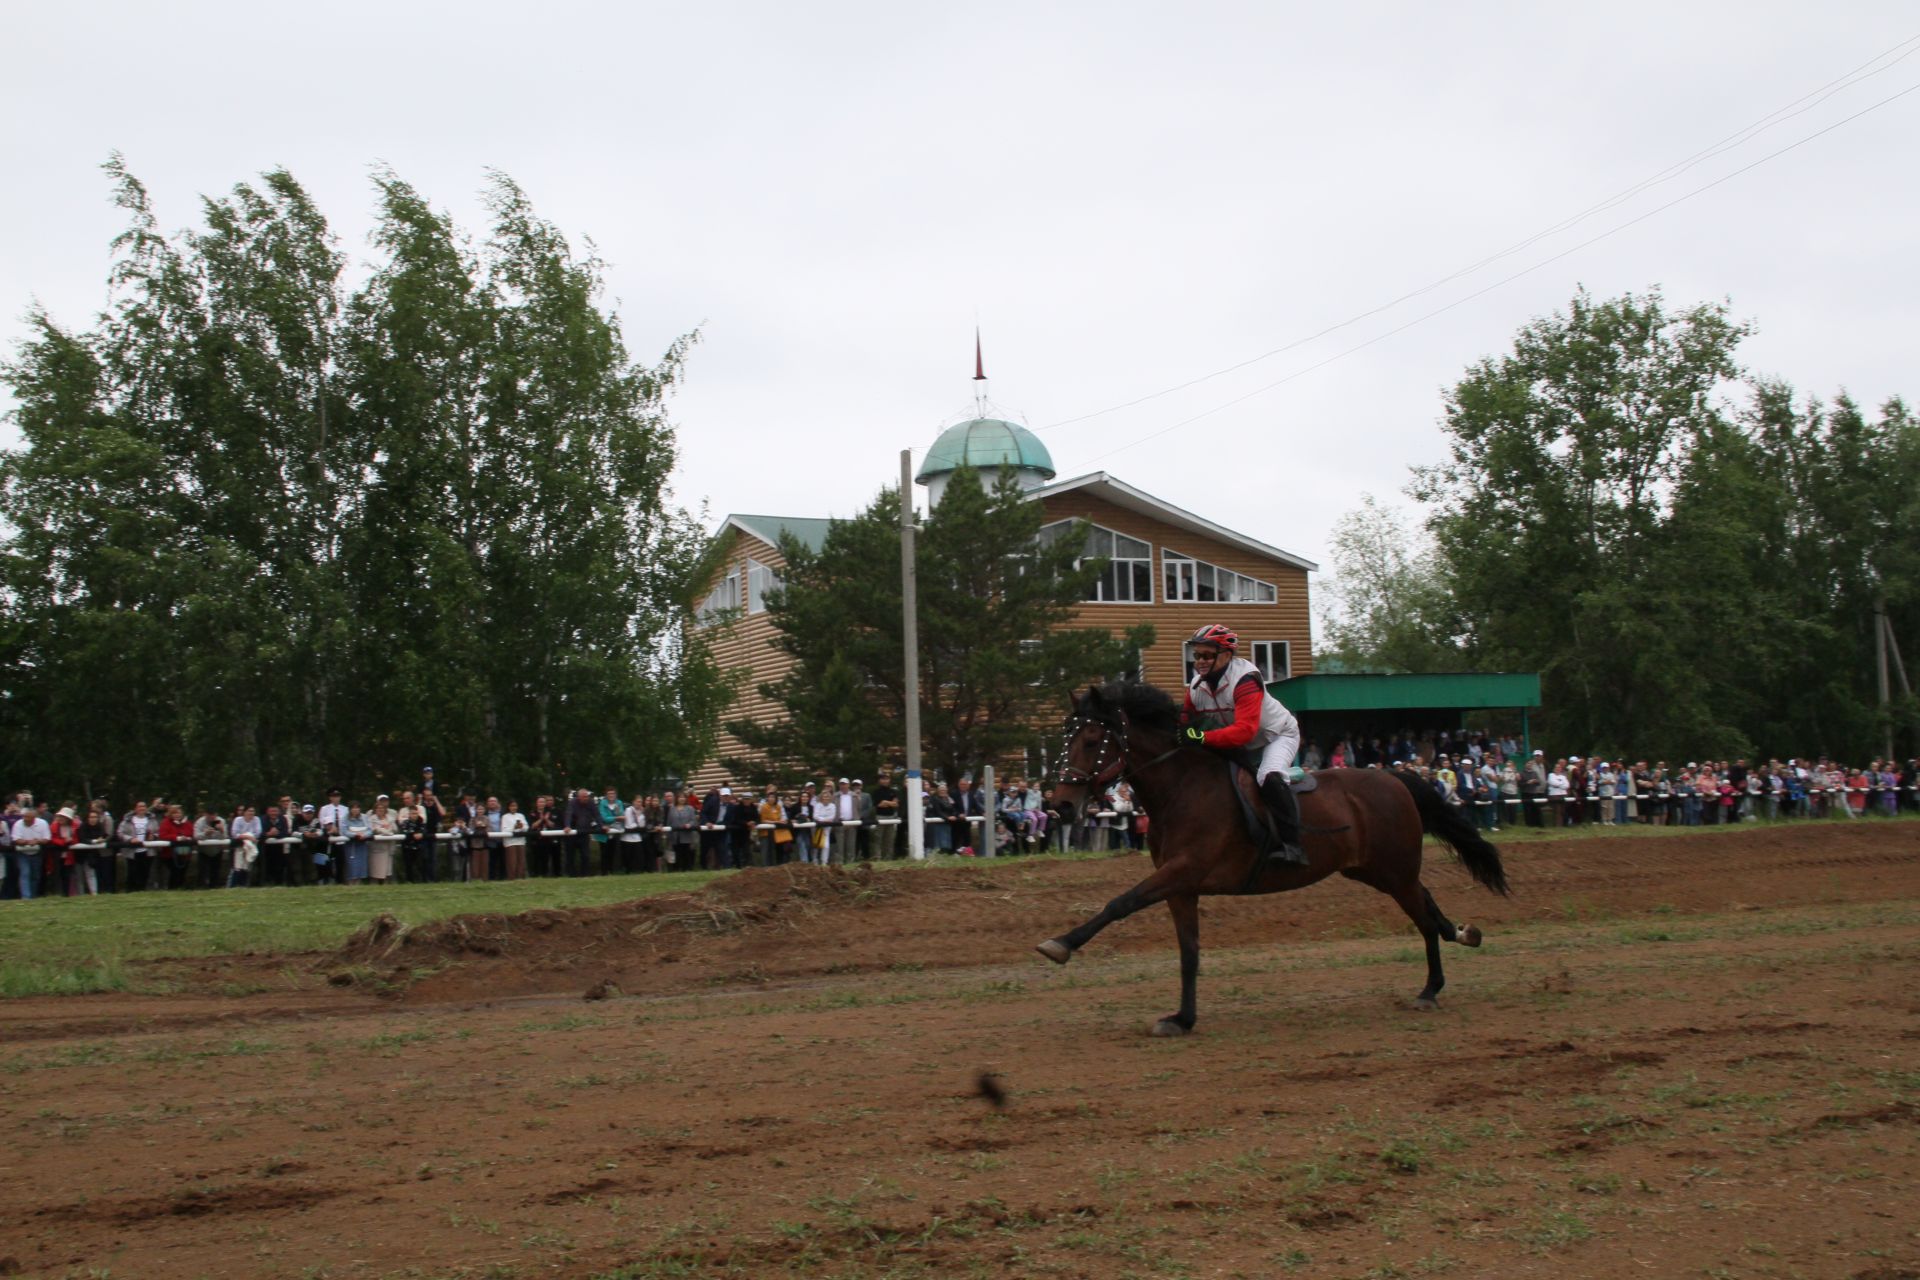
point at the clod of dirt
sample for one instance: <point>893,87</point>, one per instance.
<point>601,990</point>
<point>1894,1113</point>
<point>988,1086</point>
<point>10,1266</point>
<point>385,931</point>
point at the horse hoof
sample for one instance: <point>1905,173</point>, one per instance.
<point>1168,1027</point>
<point>1425,1004</point>
<point>1055,950</point>
<point>1469,935</point>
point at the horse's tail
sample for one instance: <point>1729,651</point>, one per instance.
<point>1440,819</point>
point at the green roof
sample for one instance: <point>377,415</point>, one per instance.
<point>986,444</point>
<point>1453,691</point>
<point>810,531</point>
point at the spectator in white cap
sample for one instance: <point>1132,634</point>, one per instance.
<point>1533,787</point>
<point>846,817</point>
<point>863,808</point>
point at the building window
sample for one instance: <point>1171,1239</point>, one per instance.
<point>1128,577</point>
<point>1196,580</point>
<point>760,580</point>
<point>721,602</point>
<point>1029,650</point>
<point>1273,657</point>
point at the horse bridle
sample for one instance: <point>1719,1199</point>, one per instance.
<point>1105,773</point>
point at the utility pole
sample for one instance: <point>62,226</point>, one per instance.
<point>910,637</point>
<point>1880,628</point>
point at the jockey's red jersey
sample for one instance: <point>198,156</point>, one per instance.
<point>1235,709</point>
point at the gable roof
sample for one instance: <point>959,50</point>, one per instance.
<point>1123,495</point>
<point>811,531</point>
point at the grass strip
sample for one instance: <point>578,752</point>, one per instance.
<point>68,946</point>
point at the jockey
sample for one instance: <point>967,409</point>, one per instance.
<point>1228,707</point>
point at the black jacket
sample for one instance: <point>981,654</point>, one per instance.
<point>583,815</point>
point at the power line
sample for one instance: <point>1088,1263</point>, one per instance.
<point>1737,138</point>
<point>1506,280</point>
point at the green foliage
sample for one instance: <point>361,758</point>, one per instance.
<point>1387,607</point>
<point>1688,576</point>
<point>996,650</point>
<point>269,534</point>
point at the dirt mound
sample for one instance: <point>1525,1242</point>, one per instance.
<point>544,944</point>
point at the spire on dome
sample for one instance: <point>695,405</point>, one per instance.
<point>979,377</point>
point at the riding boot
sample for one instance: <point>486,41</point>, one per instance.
<point>1284,809</point>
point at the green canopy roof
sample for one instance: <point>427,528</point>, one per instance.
<point>986,444</point>
<point>1459,691</point>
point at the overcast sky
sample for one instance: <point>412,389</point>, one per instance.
<point>1124,197</point>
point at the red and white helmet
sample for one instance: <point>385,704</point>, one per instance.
<point>1215,634</point>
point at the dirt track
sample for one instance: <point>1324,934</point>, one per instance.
<point>1696,1053</point>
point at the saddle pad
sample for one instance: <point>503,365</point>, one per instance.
<point>1297,778</point>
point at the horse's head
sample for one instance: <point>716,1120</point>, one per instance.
<point>1093,748</point>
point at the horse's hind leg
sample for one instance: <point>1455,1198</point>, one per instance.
<point>1186,928</point>
<point>1467,935</point>
<point>1418,904</point>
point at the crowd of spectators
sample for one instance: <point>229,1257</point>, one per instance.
<point>419,837</point>
<point>1501,784</point>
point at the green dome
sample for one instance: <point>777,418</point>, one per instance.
<point>986,444</point>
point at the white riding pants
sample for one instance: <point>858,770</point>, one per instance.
<point>1277,756</point>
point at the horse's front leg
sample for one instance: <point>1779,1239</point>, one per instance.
<point>1186,928</point>
<point>1167,880</point>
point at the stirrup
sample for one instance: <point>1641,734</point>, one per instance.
<point>1287,855</point>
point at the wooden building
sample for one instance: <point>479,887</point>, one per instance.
<point>1166,566</point>
<point>732,620</point>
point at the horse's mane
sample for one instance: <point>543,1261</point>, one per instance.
<point>1145,705</point>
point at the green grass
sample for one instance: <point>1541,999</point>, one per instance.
<point>1514,833</point>
<point>1518,833</point>
<point>67,946</point>
<point>37,978</point>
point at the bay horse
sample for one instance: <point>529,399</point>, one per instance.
<point>1365,824</point>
